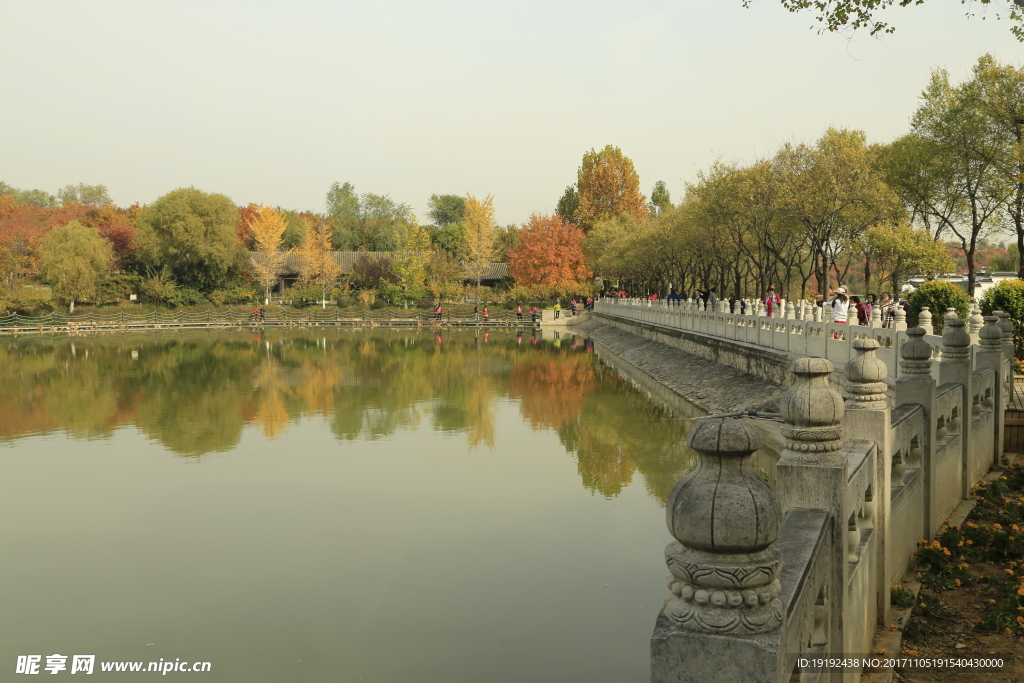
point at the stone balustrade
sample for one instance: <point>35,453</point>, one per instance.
<point>762,578</point>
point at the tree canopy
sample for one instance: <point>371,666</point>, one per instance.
<point>191,234</point>
<point>73,259</point>
<point>608,187</point>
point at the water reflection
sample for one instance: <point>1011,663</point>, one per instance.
<point>196,393</point>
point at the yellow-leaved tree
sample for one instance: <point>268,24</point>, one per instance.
<point>481,237</point>
<point>318,267</point>
<point>267,228</point>
<point>411,263</point>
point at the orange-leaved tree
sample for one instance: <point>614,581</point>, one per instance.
<point>549,253</point>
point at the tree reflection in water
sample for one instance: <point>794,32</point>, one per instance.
<point>195,393</point>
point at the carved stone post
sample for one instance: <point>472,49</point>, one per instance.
<point>868,415</point>
<point>990,355</point>
<point>924,320</point>
<point>1006,327</point>
<point>812,471</point>
<point>790,311</point>
<point>876,316</point>
<point>975,323</point>
<point>915,385</point>
<point>818,313</point>
<point>956,367</point>
<point>722,619</point>
<point>899,322</point>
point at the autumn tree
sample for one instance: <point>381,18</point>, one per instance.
<point>318,266</point>
<point>608,187</point>
<point>267,228</point>
<point>549,252</point>
<point>481,237</point>
<point>73,259</point>
<point>191,234</point>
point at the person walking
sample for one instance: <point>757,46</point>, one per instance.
<point>770,300</point>
<point>712,299</point>
<point>519,313</point>
<point>862,310</point>
<point>888,309</point>
<point>558,310</point>
<point>533,314</point>
<point>437,312</point>
<point>840,304</point>
<point>487,315</point>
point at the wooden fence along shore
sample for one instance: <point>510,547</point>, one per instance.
<point>89,322</point>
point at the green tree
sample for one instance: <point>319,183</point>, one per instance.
<point>369,222</point>
<point>608,187</point>
<point>963,143</point>
<point>191,234</point>
<point>838,15</point>
<point>1008,296</point>
<point>40,198</point>
<point>95,195</point>
<point>569,205</point>
<point>900,251</point>
<point>446,209</point>
<point>411,263</point>
<point>661,200</point>
<point>938,295</point>
<point>74,259</point>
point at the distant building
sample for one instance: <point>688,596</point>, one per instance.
<point>982,282</point>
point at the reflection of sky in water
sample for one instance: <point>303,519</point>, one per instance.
<point>352,506</point>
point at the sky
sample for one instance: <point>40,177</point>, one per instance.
<point>271,101</point>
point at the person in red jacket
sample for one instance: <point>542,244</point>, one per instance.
<point>770,300</point>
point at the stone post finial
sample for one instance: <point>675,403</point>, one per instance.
<point>956,343</point>
<point>950,313</point>
<point>790,311</point>
<point>812,412</point>
<point>724,568</point>
<point>1005,324</point>
<point>817,313</point>
<point>876,316</point>
<point>924,320</point>
<point>916,354</point>
<point>976,320</point>
<point>866,374</point>
<point>851,314</point>
<point>990,337</point>
<point>899,318</point>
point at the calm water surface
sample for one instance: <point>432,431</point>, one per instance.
<point>332,506</point>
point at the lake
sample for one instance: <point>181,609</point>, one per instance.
<point>333,505</point>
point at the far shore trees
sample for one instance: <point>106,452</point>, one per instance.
<point>73,259</point>
<point>267,228</point>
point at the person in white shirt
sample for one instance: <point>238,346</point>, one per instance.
<point>840,306</point>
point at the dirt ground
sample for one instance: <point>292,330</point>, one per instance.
<point>946,627</point>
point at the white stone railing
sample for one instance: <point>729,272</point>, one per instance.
<point>858,484</point>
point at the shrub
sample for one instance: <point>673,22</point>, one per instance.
<point>938,295</point>
<point>119,287</point>
<point>157,289</point>
<point>186,296</point>
<point>1008,296</point>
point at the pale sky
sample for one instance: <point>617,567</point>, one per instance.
<point>270,102</point>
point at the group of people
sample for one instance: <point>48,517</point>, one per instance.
<point>771,300</point>
<point>841,306</point>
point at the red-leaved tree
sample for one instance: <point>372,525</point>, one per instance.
<point>549,253</point>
